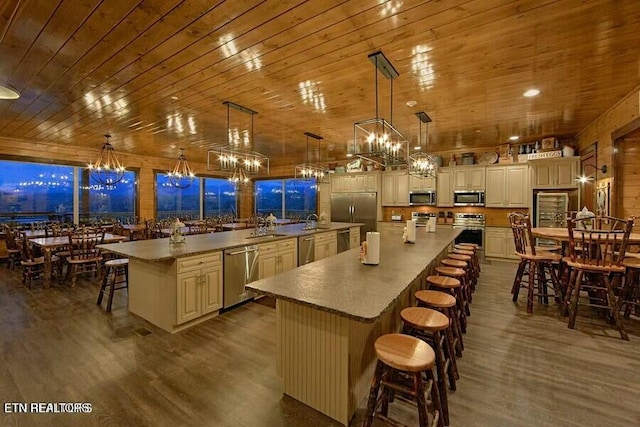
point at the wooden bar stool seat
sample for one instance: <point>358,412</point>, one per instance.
<point>115,277</point>
<point>451,286</point>
<point>431,326</point>
<point>401,356</point>
<point>470,247</point>
<point>446,304</point>
<point>630,295</point>
<point>453,268</point>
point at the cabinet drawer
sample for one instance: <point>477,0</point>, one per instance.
<point>286,244</point>
<point>198,261</point>
<point>326,237</point>
<point>267,248</point>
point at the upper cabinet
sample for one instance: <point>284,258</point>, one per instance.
<point>395,188</point>
<point>507,186</point>
<point>555,173</point>
<point>355,182</point>
<point>444,191</point>
<point>469,178</point>
<point>421,184</point>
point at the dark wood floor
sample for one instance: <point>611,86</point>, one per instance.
<point>517,370</point>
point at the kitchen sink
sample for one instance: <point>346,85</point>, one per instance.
<point>266,236</point>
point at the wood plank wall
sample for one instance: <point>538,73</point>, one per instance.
<point>629,188</point>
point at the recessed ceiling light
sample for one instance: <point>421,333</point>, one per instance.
<point>172,146</point>
<point>175,98</point>
<point>531,92</point>
<point>412,104</point>
<point>7,93</point>
<point>514,138</point>
<point>349,155</point>
<point>416,147</point>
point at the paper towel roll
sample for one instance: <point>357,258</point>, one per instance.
<point>431,225</point>
<point>373,248</point>
<point>411,231</point>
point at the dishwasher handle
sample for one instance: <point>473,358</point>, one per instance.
<point>246,251</point>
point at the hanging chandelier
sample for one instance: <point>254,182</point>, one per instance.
<point>107,170</point>
<point>422,164</point>
<point>309,170</point>
<point>239,164</point>
<point>376,140</point>
<point>181,176</point>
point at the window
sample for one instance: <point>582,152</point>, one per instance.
<point>286,198</point>
<point>174,202</point>
<point>100,202</point>
<point>35,192</point>
<point>219,197</point>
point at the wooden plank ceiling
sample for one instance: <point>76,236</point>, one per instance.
<point>154,73</point>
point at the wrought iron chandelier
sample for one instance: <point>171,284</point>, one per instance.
<point>422,164</point>
<point>309,170</point>
<point>238,163</point>
<point>181,176</point>
<point>376,140</point>
<point>107,170</point>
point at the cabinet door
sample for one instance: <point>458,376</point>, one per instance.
<point>332,247</point>
<point>388,190</point>
<point>460,179</point>
<point>543,175</point>
<point>354,237</point>
<point>516,186</point>
<point>475,178</point>
<point>320,248</point>
<point>494,242</point>
<point>371,182</point>
<point>267,265</point>
<point>402,190</point>
<point>188,296</point>
<point>211,288</point>
<point>445,189</point>
<point>566,173</point>
<point>495,194</point>
<point>287,260</point>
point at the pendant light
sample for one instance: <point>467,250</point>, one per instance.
<point>181,176</point>
<point>107,170</point>
<point>422,164</point>
<point>376,140</point>
<point>309,170</point>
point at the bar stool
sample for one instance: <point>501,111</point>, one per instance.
<point>470,246</point>
<point>473,274</point>
<point>403,355</point>
<point>630,297</point>
<point>453,287</point>
<point>446,304</point>
<point>431,326</point>
<point>471,251</point>
<point>116,268</point>
<point>465,281</point>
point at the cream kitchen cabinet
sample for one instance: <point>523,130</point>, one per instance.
<point>507,186</point>
<point>555,173</point>
<point>469,178</point>
<point>199,286</point>
<point>354,237</point>
<point>395,188</point>
<point>326,245</point>
<point>324,200</point>
<point>444,192</point>
<point>355,182</point>
<point>498,243</point>
<point>276,257</point>
<point>421,184</point>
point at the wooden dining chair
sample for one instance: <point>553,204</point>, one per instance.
<point>84,256</point>
<point>13,249</point>
<point>537,265</point>
<point>596,253</point>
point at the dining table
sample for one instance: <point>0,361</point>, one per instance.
<point>48,244</point>
<point>135,231</point>
<point>166,232</point>
<point>235,226</point>
<point>561,234</point>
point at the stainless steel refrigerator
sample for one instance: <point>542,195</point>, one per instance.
<point>356,207</point>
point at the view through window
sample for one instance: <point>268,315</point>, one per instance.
<point>286,198</point>
<point>218,198</point>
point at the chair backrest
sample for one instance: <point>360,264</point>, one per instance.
<point>599,241</point>
<point>10,238</point>
<point>522,236</point>
<point>25,248</point>
<point>82,244</point>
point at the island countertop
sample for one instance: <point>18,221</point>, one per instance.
<point>160,249</point>
<point>342,285</point>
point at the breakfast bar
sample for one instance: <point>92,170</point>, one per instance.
<point>329,313</point>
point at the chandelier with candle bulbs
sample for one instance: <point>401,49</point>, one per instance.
<point>181,176</point>
<point>310,170</point>
<point>422,164</point>
<point>376,140</point>
<point>107,170</point>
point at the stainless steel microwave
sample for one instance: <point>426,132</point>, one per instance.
<point>468,198</point>
<point>422,198</point>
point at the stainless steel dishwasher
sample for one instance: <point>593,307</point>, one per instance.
<point>344,240</point>
<point>240,268</point>
<point>306,249</point>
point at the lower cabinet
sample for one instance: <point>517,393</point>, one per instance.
<point>326,245</point>
<point>498,243</point>
<point>391,227</point>
<point>199,282</point>
<point>277,257</point>
<point>354,237</point>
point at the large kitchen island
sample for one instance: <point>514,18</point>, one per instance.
<point>330,312</point>
<point>176,286</point>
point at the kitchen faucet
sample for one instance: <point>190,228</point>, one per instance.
<point>311,225</point>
